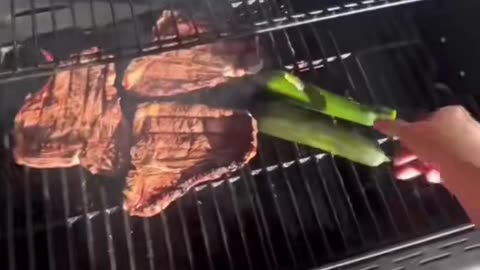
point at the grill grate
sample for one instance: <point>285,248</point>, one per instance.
<point>292,207</point>
<point>252,17</point>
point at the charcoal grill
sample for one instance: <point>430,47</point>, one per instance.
<point>292,207</point>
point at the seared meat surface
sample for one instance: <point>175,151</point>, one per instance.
<point>176,147</point>
<point>186,70</point>
<point>75,119</point>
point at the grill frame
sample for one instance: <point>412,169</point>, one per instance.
<point>246,177</point>
<point>444,250</point>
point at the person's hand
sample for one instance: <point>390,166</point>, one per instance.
<point>407,166</point>
<point>444,146</point>
<point>435,140</point>
<point>446,137</point>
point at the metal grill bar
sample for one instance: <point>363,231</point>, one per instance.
<point>278,212</point>
<point>262,217</point>
<point>423,81</point>
<point>401,59</point>
<point>342,184</point>
<point>424,55</point>
<point>192,19</point>
<point>291,49</point>
<point>246,10</point>
<point>387,208</point>
<point>74,23</point>
<point>114,21</point>
<point>433,191</point>
<point>331,204</point>
<point>355,172</point>
<point>66,215</point>
<point>153,18</point>
<point>291,13</point>
<point>186,236</point>
<point>234,23</point>
<point>308,188</point>
<point>244,179</point>
<point>149,244</point>
<point>92,13</point>
<point>177,31</point>
<point>403,204</point>
<point>412,85</point>
<point>34,23</point>
<point>214,18</point>
<point>407,74</point>
<point>348,200</point>
<point>204,232</point>
<point>54,20</point>
<point>240,224</point>
<point>347,73</point>
<point>297,155</point>
<point>351,165</point>
<point>135,25</point>
<point>311,68</point>
<point>14,33</point>
<point>367,203</point>
<point>93,21</point>
<point>350,79</point>
<point>9,213</point>
<point>322,49</point>
<point>294,203</point>
<point>275,49</point>
<point>9,221</point>
<point>168,242</point>
<point>273,5</point>
<point>222,227</point>
<point>108,230</point>
<point>371,93</point>
<point>88,223</point>
<point>418,201</point>
<point>28,218</point>
<point>72,11</point>
<point>48,220</point>
<point>128,237</point>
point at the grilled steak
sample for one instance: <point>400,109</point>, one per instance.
<point>75,119</point>
<point>185,70</point>
<point>176,147</point>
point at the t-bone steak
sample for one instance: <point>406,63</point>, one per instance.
<point>185,70</point>
<point>176,147</point>
<point>75,119</point>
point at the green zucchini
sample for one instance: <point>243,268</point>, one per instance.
<point>314,98</point>
<point>285,121</point>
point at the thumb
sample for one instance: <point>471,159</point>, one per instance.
<point>390,128</point>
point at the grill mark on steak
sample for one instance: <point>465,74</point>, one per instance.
<point>176,147</point>
<point>75,119</point>
<point>185,70</point>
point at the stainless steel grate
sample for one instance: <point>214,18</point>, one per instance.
<point>242,18</point>
<point>293,207</point>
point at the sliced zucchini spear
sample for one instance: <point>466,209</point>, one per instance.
<point>289,122</point>
<point>314,98</point>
